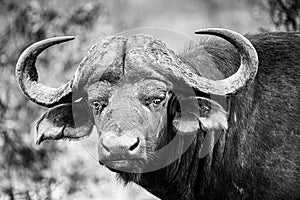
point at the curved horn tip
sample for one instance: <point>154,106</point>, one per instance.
<point>58,39</point>
<point>69,37</point>
<point>229,35</point>
<point>215,30</point>
<point>51,41</point>
<point>249,61</point>
<point>27,76</point>
<point>220,32</point>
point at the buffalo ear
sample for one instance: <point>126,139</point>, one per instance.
<point>214,124</point>
<point>59,123</point>
<point>207,115</point>
<point>186,123</point>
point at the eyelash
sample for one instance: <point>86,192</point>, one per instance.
<point>158,101</point>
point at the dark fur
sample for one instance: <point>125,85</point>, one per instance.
<point>261,158</point>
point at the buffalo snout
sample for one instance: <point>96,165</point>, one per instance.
<point>121,150</point>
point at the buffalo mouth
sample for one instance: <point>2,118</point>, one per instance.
<point>129,165</point>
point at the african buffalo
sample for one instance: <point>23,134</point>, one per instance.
<point>229,118</point>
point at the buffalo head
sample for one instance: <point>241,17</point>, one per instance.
<point>139,94</point>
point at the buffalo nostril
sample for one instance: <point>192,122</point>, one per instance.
<point>135,145</point>
<point>105,147</point>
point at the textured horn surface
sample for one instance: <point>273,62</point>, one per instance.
<point>27,76</point>
<point>239,80</point>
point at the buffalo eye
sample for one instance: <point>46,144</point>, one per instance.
<point>204,110</point>
<point>158,100</point>
<point>97,106</point>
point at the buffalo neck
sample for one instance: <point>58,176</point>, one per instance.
<point>186,178</point>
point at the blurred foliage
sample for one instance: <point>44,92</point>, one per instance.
<point>285,14</point>
<point>26,170</point>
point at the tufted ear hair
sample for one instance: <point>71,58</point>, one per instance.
<point>66,121</point>
<point>201,114</point>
